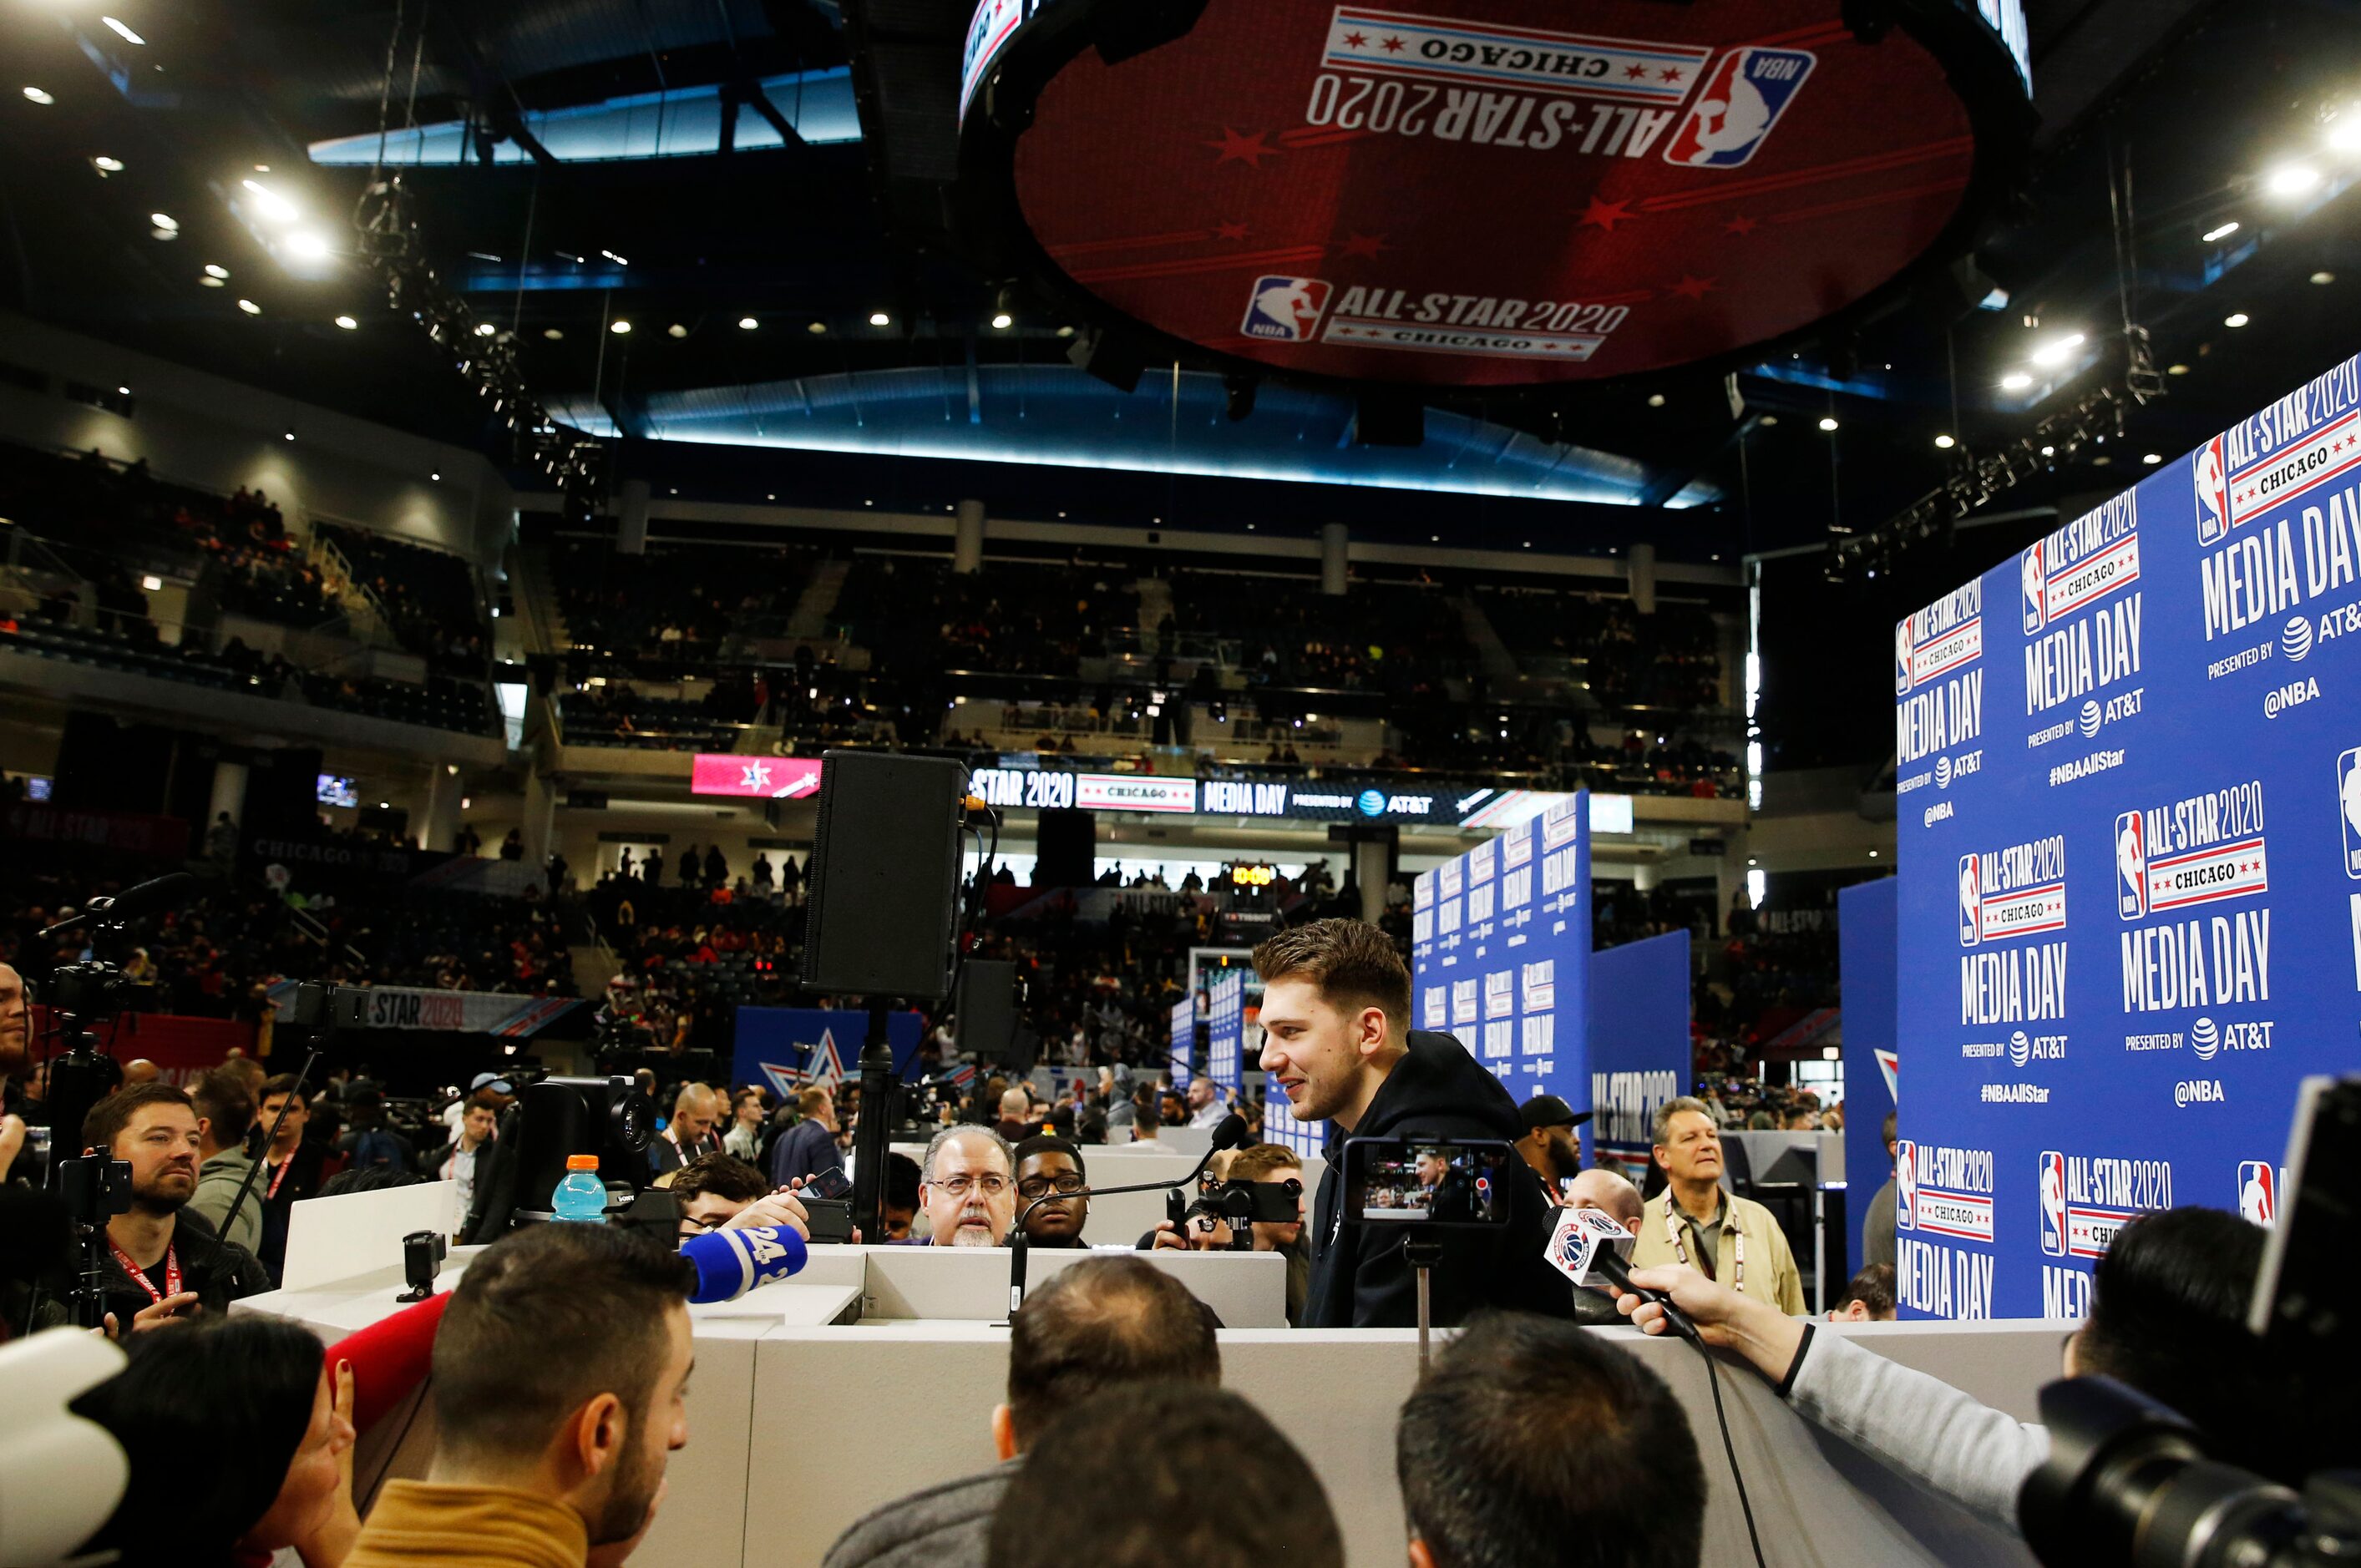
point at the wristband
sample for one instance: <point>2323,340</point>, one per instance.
<point>1796,1365</point>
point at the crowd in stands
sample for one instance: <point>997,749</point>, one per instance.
<point>917,617</point>
<point>1668,659</point>
<point>428,596</point>
<point>672,610</point>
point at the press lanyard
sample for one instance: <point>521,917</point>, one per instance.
<point>1673,1229</point>
<point>285,1165</point>
<point>172,1270</point>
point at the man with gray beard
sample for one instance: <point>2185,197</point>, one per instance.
<point>968,1186</point>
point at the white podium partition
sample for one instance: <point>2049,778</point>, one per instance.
<point>335,1238</point>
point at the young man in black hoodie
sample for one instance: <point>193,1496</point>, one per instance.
<point>1336,1038</point>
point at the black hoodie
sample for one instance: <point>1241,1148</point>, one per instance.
<point>1359,1279</point>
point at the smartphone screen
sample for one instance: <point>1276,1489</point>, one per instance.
<point>1428,1180</point>
<point>830,1183</point>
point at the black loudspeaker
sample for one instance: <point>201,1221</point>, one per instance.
<point>1065,844</point>
<point>885,875</point>
<point>985,1018</point>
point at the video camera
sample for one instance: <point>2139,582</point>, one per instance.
<point>2129,1481</point>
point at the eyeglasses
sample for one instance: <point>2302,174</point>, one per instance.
<point>1040,1186</point>
<point>991,1183</point>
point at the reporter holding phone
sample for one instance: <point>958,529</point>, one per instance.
<point>1337,1036</point>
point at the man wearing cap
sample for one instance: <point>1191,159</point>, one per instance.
<point>1549,1145</point>
<point>502,1094</point>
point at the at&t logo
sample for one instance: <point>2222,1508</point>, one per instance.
<point>1943,772</point>
<point>2295,638</point>
<point>1371,802</point>
<point>2091,719</point>
<point>2204,1039</point>
<point>2020,1049</point>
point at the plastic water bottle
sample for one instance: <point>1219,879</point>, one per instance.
<point>581,1196</point>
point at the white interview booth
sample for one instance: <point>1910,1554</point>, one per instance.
<point>873,1373</point>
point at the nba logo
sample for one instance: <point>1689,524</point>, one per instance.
<point>2053,1204</point>
<point>2259,1192</point>
<point>2348,809</point>
<point>1971,903</point>
<point>1902,658</point>
<point>1743,98</point>
<point>2212,493</point>
<point>2131,866</point>
<point>2037,586</point>
<point>1284,310</point>
<point>1905,1185</point>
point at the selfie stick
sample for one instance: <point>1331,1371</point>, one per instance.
<point>1422,1255</point>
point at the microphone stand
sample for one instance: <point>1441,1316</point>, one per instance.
<point>1017,1241</point>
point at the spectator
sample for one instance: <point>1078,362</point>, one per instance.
<point>1015,1116</point>
<point>459,1160</point>
<point>1205,1107</point>
<point>541,1457</point>
<point>1049,1172</point>
<point>1615,1196</point>
<point>224,1108</point>
<point>690,1133</point>
<point>1877,1225</point>
<point>721,1191</point>
<point>369,1141</point>
<point>809,1146</point>
<point>1102,1324</point>
<point>968,1185</point>
<point>1867,1297</point>
<point>1335,1015</point>
<point>717,869</point>
<point>238,1446</point>
<point>744,1137</point>
<point>1261,1164</point>
<point>2169,1281</point>
<point>1092,1473</point>
<point>1536,1445</point>
<point>1147,1115</point>
<point>293,1167</point>
<point>1549,1143</point>
<point>898,1205</point>
<point>1694,1221</point>
<point>652,869</point>
<point>512,846</point>
<point>159,1268</point>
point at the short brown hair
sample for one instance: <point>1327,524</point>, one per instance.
<point>283,1083</point>
<point>224,1102</point>
<point>1872,1287</point>
<point>719,1176</point>
<point>1259,1162</point>
<point>811,1102</point>
<point>1098,1323</point>
<point>1351,963</point>
<point>112,1115</point>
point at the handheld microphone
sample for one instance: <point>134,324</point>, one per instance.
<point>1590,1247</point>
<point>729,1261</point>
<point>163,893</point>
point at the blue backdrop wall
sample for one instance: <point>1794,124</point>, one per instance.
<point>773,1044</point>
<point>1865,935</point>
<point>1639,1029</point>
<point>2136,746</point>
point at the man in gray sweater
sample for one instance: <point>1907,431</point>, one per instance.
<point>2168,1310</point>
<point>1100,1324</point>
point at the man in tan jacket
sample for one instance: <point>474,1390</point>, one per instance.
<point>1725,1237</point>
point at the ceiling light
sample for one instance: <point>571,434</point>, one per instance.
<point>307,246</point>
<point>747,323</point>
<point>1065,332</point>
<point>2057,350</point>
<point>125,391</point>
<point>209,282</point>
<point>1769,420</point>
<point>106,165</point>
<point>249,307</point>
<point>37,96</point>
<point>1945,443</point>
<point>2015,381</point>
<point>269,204</point>
<point>2049,451</point>
<point>347,322</point>
<point>817,327</point>
<point>152,584</point>
<point>619,326</point>
<point>485,329</point>
<point>2291,179</point>
<point>676,330</point>
<point>1003,322</point>
<point>1827,421</point>
<point>120,31</point>
<point>290,433</point>
<point>2237,318</point>
<point>166,222</point>
<point>2344,133</point>
<point>216,270</point>
<point>615,259</point>
<point>2323,276</point>
<point>2176,370</point>
<point>1656,399</point>
<point>2223,231</point>
<point>879,318</point>
<point>2152,457</point>
<point>436,477</point>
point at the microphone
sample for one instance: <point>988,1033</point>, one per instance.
<point>731,1262</point>
<point>163,893</point>
<point>1588,1246</point>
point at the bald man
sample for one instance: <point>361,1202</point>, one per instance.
<point>696,1112</point>
<point>1620,1201</point>
<point>139,1070</point>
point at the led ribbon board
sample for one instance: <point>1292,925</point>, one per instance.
<point>1480,194</point>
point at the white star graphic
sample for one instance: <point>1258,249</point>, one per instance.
<point>757,780</point>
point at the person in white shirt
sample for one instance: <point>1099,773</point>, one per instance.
<point>458,1160</point>
<point>1205,1107</point>
<point>744,1137</point>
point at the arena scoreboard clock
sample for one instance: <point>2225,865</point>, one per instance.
<point>1498,194</point>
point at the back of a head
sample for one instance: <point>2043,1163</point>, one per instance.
<point>210,1415</point>
<point>2167,1316</point>
<point>1099,1322</point>
<point>545,1319</point>
<point>1533,1443</point>
<point>812,1101</point>
<point>225,1100</point>
<point>1216,1485</point>
<point>723,1176</point>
